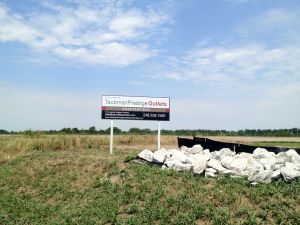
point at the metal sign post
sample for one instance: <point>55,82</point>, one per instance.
<point>158,136</point>
<point>111,136</point>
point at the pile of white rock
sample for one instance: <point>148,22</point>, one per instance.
<point>259,167</point>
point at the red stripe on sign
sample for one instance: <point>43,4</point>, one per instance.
<point>167,110</point>
<point>103,107</point>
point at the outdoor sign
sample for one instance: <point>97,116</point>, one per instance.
<point>115,107</point>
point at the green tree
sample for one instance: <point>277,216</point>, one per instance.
<point>92,130</point>
<point>4,132</point>
<point>115,129</point>
<point>135,130</point>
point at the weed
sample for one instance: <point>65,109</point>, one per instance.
<point>220,216</point>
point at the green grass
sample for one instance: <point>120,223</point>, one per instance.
<point>89,186</point>
<point>278,144</point>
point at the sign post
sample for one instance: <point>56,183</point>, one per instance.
<point>111,136</point>
<point>116,107</point>
<point>158,136</point>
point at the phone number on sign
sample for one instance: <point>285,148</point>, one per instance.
<point>154,115</point>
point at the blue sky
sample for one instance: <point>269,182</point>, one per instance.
<point>225,64</point>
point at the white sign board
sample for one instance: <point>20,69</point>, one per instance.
<point>135,108</point>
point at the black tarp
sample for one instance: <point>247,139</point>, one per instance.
<point>212,145</point>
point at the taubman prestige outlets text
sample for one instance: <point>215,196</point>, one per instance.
<point>135,103</point>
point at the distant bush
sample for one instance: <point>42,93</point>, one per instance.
<point>4,132</point>
<point>293,132</point>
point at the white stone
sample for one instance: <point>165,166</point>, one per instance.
<point>278,166</point>
<point>268,163</point>
<point>181,156</point>
<point>146,155</point>
<point>177,164</point>
<point>245,155</point>
<point>199,166</point>
<point>226,161</point>
<point>188,151</point>
<point>239,164</point>
<point>294,157</point>
<point>226,152</point>
<point>200,156</point>
<point>172,151</point>
<point>261,176</point>
<point>253,165</point>
<point>289,171</point>
<point>210,170</point>
<point>261,166</point>
<point>209,174</point>
<point>182,166</point>
<point>189,160</point>
<point>215,155</point>
<point>193,158</point>
<point>291,152</point>
<point>276,174</point>
<point>196,149</point>
<point>206,151</point>
<point>207,154</point>
<point>169,162</point>
<point>281,158</point>
<point>216,164</point>
<point>160,155</point>
<point>262,153</point>
<point>183,148</point>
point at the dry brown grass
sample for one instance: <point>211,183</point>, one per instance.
<point>14,145</point>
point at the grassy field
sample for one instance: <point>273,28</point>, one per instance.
<point>290,142</point>
<point>73,180</point>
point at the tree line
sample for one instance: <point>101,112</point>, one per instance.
<point>293,132</point>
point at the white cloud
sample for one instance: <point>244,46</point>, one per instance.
<point>237,2</point>
<point>247,61</point>
<point>12,28</point>
<point>138,82</point>
<point>277,24</point>
<point>279,18</point>
<point>102,34</point>
<point>243,72</point>
<point>112,53</point>
<point>265,57</point>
